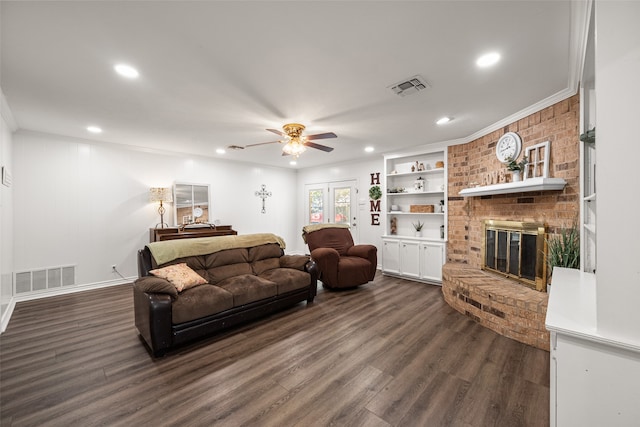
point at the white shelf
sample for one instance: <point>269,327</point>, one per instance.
<point>590,197</point>
<point>414,213</point>
<point>413,193</point>
<point>430,171</point>
<point>530,184</point>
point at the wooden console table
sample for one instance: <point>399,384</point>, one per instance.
<point>170,233</point>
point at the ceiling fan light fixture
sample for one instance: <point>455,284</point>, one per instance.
<point>294,147</point>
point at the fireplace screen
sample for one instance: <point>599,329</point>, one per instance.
<point>517,250</point>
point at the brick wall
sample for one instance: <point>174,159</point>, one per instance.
<point>470,162</point>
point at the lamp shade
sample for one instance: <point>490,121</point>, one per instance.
<point>159,194</point>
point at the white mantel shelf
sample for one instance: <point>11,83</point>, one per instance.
<point>530,184</point>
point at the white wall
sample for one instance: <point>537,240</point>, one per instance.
<point>84,203</point>
<point>618,151</point>
<point>359,171</point>
<point>6,216</point>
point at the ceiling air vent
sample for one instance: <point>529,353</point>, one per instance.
<point>408,86</point>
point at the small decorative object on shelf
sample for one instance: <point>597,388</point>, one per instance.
<point>393,229</point>
<point>441,206</point>
<point>516,167</point>
<point>418,184</point>
<point>442,231</point>
<point>421,208</point>
<point>439,164</point>
<point>418,227</point>
<point>421,167</point>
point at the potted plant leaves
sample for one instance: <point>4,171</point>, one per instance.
<point>517,167</point>
<point>418,227</point>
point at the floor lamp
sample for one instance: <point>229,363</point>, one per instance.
<point>159,194</point>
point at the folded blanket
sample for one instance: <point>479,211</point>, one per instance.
<point>315,227</point>
<point>168,250</point>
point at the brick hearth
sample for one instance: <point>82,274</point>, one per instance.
<point>498,303</point>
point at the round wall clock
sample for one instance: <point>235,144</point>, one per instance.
<point>508,147</point>
<point>197,212</point>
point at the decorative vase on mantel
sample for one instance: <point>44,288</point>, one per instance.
<point>516,176</point>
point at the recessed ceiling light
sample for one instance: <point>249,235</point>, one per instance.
<point>94,129</point>
<point>488,59</point>
<point>443,120</point>
<point>220,151</point>
<point>293,163</point>
<point>369,149</point>
<point>126,71</point>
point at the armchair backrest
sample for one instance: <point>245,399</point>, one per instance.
<point>339,239</point>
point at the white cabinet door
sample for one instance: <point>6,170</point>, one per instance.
<point>431,261</point>
<point>410,258</point>
<point>391,256</point>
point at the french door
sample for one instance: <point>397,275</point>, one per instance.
<point>332,202</point>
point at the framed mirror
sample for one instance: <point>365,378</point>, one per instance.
<point>191,203</point>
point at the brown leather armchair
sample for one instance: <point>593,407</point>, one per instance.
<point>341,263</point>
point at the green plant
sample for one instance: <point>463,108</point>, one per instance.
<point>512,165</point>
<point>589,136</point>
<point>418,226</point>
<point>564,248</point>
<point>375,193</point>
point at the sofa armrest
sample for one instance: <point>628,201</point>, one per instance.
<point>369,252</point>
<point>312,268</point>
<point>153,319</point>
<point>327,260</point>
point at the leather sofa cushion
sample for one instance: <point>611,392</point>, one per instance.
<point>265,264</point>
<point>229,256</point>
<point>287,279</point>
<point>270,250</point>
<point>247,288</point>
<point>224,272</point>
<point>198,302</point>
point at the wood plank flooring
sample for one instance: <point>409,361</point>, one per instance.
<point>391,353</point>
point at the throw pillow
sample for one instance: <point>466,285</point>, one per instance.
<point>180,275</point>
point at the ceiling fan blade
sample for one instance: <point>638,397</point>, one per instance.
<point>322,136</point>
<point>262,143</point>
<point>277,132</point>
<point>318,146</point>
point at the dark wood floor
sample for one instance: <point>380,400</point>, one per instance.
<point>391,353</point>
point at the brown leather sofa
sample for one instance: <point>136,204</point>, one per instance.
<point>341,263</point>
<point>246,277</point>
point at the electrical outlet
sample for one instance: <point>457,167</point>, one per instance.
<point>113,267</point>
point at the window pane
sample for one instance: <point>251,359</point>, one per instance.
<point>342,203</point>
<point>316,207</point>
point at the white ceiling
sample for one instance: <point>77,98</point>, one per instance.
<point>218,73</point>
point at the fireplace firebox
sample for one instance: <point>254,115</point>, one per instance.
<point>516,250</point>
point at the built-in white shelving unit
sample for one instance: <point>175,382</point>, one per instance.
<point>415,179</point>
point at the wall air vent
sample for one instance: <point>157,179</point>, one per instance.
<point>45,278</point>
<point>409,86</point>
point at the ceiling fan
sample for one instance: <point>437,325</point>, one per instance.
<point>295,142</point>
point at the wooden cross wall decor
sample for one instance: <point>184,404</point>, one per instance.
<point>263,194</point>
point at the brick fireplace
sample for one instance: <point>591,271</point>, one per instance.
<point>465,286</point>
